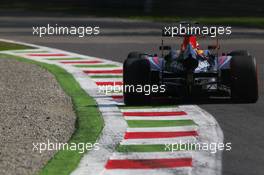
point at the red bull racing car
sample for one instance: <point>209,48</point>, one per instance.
<point>190,72</point>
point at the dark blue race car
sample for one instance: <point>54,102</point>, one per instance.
<point>190,72</point>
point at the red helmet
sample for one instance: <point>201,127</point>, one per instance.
<point>189,40</point>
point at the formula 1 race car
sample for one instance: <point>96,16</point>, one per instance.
<point>190,72</point>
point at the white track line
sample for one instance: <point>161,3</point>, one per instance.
<point>165,109</point>
<point>96,68</point>
<point>164,129</point>
<point>107,79</point>
<point>149,155</point>
<point>162,171</point>
<point>158,141</point>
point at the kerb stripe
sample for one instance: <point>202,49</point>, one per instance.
<point>172,113</point>
<point>148,163</point>
<point>110,83</point>
<point>117,71</point>
<point>149,135</point>
<point>46,54</point>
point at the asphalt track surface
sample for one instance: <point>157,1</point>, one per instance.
<point>242,124</point>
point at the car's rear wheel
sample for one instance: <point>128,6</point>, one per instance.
<point>133,55</point>
<point>244,82</point>
<point>137,74</point>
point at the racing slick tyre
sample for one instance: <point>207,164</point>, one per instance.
<point>244,81</point>
<point>239,53</point>
<point>133,55</point>
<point>136,74</point>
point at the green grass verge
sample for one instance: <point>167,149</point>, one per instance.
<point>88,125</point>
<point>233,21</point>
<point>64,59</point>
<point>12,46</point>
<point>154,148</point>
<point>158,123</point>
